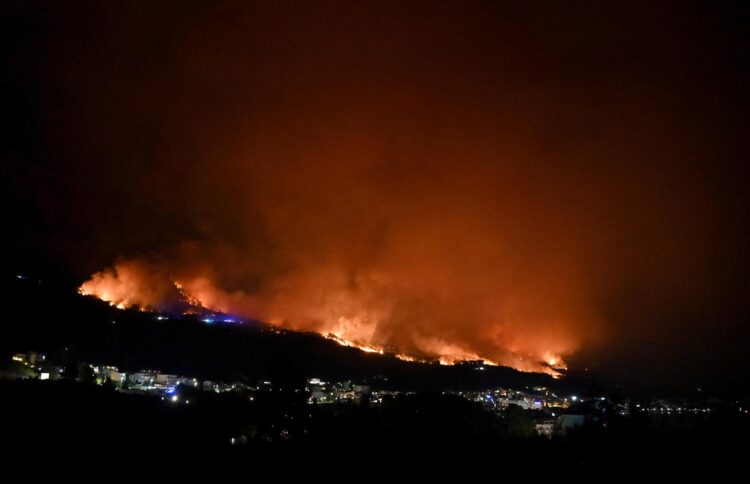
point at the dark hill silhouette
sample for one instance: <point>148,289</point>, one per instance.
<point>49,316</point>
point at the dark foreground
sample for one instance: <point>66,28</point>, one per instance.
<point>72,417</point>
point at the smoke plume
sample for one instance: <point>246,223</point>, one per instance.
<point>444,180</point>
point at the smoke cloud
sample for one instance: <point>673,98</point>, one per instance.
<point>447,181</point>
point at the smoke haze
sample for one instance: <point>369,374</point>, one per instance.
<point>455,180</point>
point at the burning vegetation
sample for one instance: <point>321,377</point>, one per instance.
<point>444,187</point>
<point>139,284</point>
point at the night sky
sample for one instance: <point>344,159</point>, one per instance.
<point>520,182</point>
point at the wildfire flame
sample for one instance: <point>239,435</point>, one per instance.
<point>353,344</point>
<point>125,286</point>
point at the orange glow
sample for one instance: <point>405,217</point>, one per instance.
<point>353,344</point>
<point>133,284</point>
<point>525,185</point>
<point>190,299</point>
<point>127,285</point>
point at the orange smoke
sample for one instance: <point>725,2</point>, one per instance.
<point>474,259</point>
<point>404,304</point>
<point>128,284</point>
<point>385,184</point>
<point>522,184</point>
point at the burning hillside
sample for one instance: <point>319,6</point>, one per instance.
<point>136,284</point>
